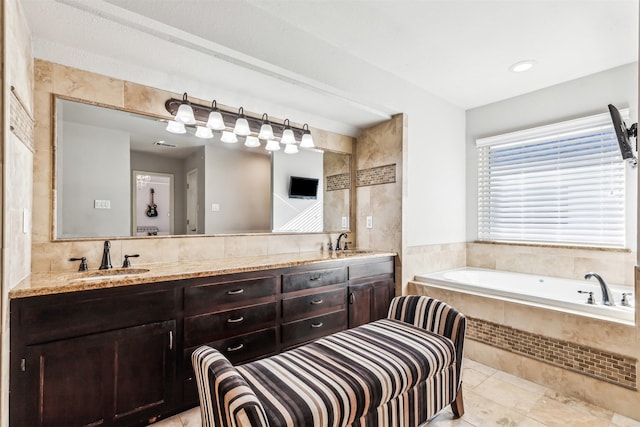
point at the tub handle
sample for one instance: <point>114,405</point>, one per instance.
<point>590,299</point>
<point>625,300</point>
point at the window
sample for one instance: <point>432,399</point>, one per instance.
<point>561,184</point>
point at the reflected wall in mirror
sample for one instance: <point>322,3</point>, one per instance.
<point>108,161</point>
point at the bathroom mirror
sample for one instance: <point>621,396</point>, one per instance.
<point>122,174</point>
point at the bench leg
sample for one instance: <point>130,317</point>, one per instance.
<point>457,406</point>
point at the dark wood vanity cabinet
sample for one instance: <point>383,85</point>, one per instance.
<point>122,356</point>
<point>111,362</point>
<point>371,289</point>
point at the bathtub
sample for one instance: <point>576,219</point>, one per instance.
<point>549,292</point>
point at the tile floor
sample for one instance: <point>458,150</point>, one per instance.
<point>495,398</point>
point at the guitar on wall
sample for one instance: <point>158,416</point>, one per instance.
<point>152,209</point>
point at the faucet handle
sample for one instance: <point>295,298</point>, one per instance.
<point>330,246</point>
<point>590,299</point>
<point>625,300</point>
<point>83,263</point>
<point>126,262</point>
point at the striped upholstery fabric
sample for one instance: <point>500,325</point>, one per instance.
<point>395,372</point>
<point>225,397</point>
<point>432,315</point>
<point>362,376</point>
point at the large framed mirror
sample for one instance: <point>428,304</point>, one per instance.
<point>122,174</point>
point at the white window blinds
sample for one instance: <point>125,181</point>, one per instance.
<point>561,184</point>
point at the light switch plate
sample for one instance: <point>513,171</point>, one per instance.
<point>102,204</point>
<point>215,207</point>
<point>345,222</point>
<point>369,221</point>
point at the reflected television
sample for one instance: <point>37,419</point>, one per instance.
<point>303,188</point>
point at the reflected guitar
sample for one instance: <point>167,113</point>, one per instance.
<point>152,209</point>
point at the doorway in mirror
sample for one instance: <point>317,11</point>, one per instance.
<point>152,204</point>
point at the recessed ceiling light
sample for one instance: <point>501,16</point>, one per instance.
<point>164,144</point>
<point>522,66</point>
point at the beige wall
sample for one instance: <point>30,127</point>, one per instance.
<point>17,163</point>
<point>378,146</point>
<point>47,255</point>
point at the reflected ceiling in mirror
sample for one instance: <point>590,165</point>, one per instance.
<point>122,174</point>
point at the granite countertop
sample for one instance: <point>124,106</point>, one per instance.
<point>59,282</point>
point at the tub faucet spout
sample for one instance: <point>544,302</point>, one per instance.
<point>607,296</point>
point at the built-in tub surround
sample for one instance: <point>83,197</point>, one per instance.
<point>558,349</point>
<point>554,293</point>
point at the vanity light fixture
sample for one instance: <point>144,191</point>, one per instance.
<point>287,134</point>
<point>272,145</point>
<point>215,120</point>
<point>522,66</point>
<point>307,139</point>
<point>266,131</point>
<point>242,125</point>
<point>176,127</point>
<point>251,141</point>
<point>185,112</point>
<point>204,132</point>
<point>229,137</point>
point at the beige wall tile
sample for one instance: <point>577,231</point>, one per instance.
<point>88,86</point>
<point>147,100</point>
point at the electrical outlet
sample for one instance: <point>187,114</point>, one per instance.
<point>102,204</point>
<point>345,222</point>
<point>369,221</point>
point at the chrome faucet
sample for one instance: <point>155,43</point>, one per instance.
<point>607,296</point>
<point>338,247</point>
<point>106,257</point>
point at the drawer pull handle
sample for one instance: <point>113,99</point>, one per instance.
<point>314,278</point>
<point>237,320</point>
<point>236,292</point>
<point>317,325</point>
<point>236,348</point>
<point>317,301</point>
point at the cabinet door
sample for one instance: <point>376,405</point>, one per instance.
<point>144,361</point>
<point>99,379</point>
<point>370,301</point>
<point>382,293</point>
<point>359,305</point>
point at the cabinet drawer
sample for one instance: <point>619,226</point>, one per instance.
<point>50,319</point>
<point>214,326</point>
<point>211,296</point>
<point>298,332</point>
<point>239,349</point>
<point>318,302</point>
<point>370,270</point>
<point>313,279</point>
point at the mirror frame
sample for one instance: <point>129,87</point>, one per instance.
<point>54,180</point>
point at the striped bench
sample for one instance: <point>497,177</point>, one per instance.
<point>398,371</point>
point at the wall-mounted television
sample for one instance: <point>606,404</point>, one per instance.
<point>303,188</point>
<point>623,134</point>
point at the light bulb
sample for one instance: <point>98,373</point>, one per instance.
<point>229,137</point>
<point>175,127</point>
<point>291,148</point>
<point>266,132</point>
<point>307,139</point>
<point>203,132</point>
<point>288,137</point>
<point>215,122</point>
<point>185,112</point>
<point>251,141</point>
<point>272,145</point>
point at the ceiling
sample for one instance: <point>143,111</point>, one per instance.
<point>341,65</point>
